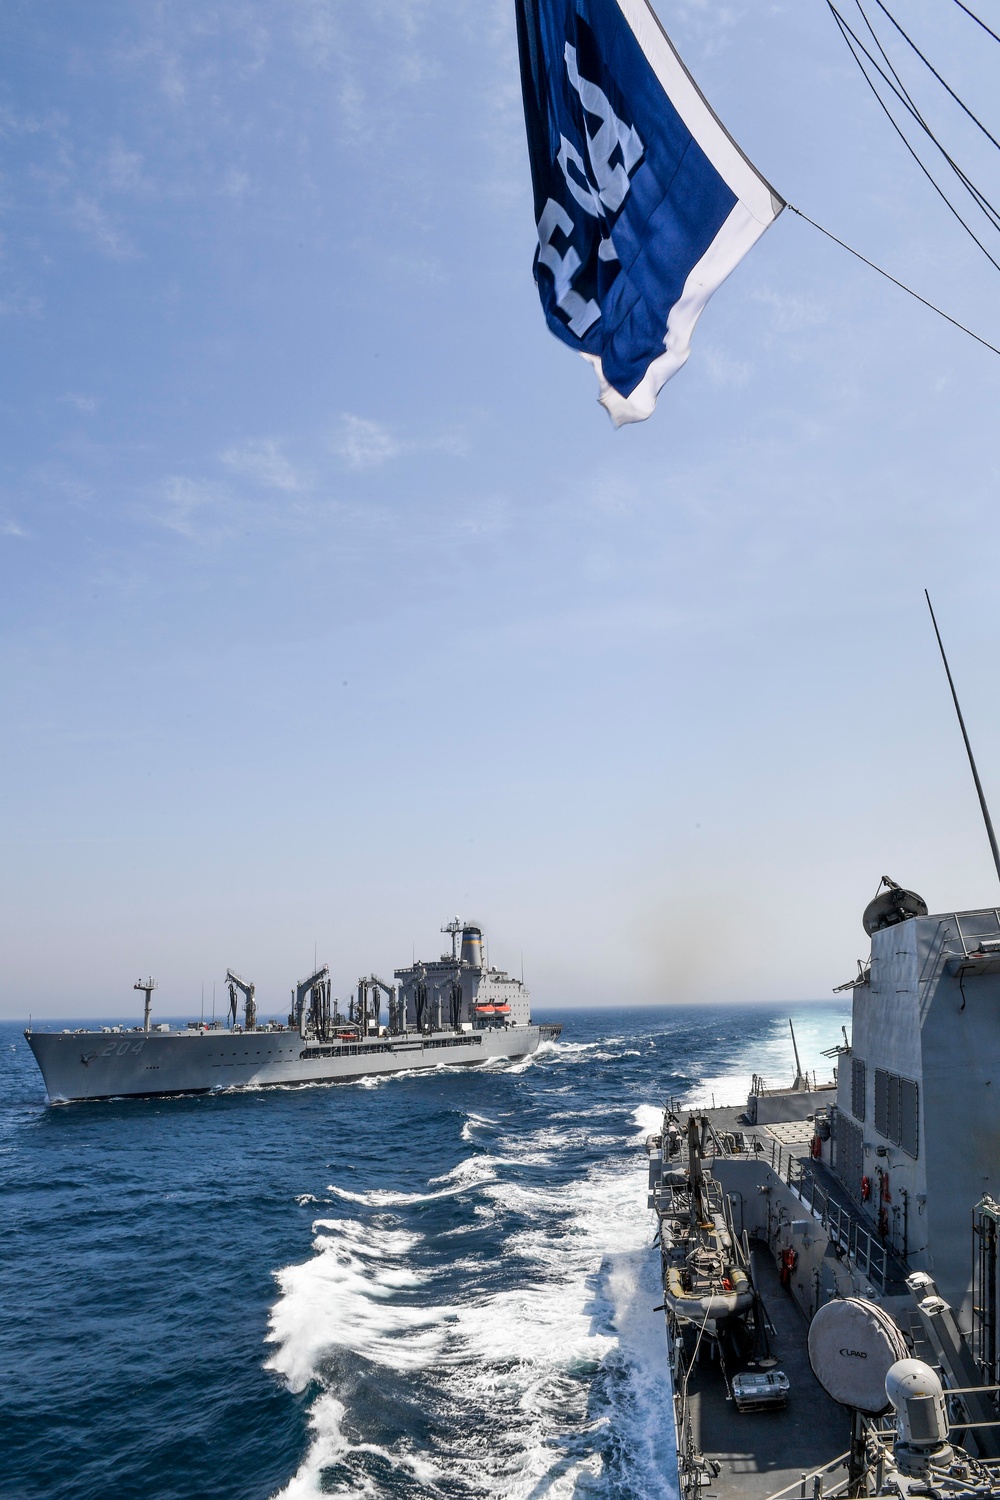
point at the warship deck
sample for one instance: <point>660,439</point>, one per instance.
<point>762,1453</point>
<point>777,1452</point>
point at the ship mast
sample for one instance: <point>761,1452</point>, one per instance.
<point>968,747</point>
<point>147,986</point>
<point>454,927</point>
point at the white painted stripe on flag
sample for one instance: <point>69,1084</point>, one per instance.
<point>699,117</point>
<point>738,234</point>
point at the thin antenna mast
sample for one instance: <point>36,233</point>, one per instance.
<point>968,748</point>
<point>147,986</point>
<point>454,927</point>
<point>800,1082</point>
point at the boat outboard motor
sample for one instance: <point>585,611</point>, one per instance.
<point>892,905</point>
<point>921,1417</point>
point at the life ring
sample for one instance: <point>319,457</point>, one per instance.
<point>866,1189</point>
<point>817,1147</point>
<point>789,1260</point>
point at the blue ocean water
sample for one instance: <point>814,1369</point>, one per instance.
<point>436,1284</point>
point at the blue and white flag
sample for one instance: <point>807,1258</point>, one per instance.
<point>644,204</point>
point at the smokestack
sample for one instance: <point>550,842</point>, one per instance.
<point>472,947</point>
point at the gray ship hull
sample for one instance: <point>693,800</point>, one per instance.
<point>80,1065</point>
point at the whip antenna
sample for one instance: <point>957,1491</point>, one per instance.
<point>965,735</point>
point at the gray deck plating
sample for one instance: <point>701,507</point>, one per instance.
<point>760,1453</point>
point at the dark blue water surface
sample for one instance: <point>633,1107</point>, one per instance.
<point>434,1284</point>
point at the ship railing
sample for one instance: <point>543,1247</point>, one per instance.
<point>842,1225</point>
<point>814,1483</point>
<point>863,1247</point>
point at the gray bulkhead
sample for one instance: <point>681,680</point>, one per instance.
<point>926,1038</point>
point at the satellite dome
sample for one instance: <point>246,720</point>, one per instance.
<point>852,1347</point>
<point>892,905</point>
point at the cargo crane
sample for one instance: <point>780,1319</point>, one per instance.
<point>448,1000</point>
<point>317,1019</point>
<point>455,1001</point>
<point>369,1003</point>
<point>420,999</point>
<point>249,1004</point>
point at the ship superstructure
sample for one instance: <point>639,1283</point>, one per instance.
<point>460,989</point>
<point>831,1253</point>
<point>456,1011</point>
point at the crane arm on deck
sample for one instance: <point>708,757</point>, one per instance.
<point>304,986</point>
<point>321,978</point>
<point>235,982</point>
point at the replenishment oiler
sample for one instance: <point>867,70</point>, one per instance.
<point>454,1010</point>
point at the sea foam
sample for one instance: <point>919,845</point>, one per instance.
<point>536,1384</point>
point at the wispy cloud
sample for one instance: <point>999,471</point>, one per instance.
<point>709,24</point>
<point>122,170</point>
<point>723,369</point>
<point>193,508</point>
<point>87,215</point>
<point>364,443</point>
<point>235,184</point>
<point>15,124</point>
<point>263,461</point>
<point>792,313</point>
<point>15,304</point>
<point>209,512</point>
<point>10,528</point>
<point>86,404</point>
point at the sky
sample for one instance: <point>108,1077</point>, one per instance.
<point>331,604</point>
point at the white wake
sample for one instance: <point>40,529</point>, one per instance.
<point>541,1382</point>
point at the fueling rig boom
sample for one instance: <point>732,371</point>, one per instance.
<point>249,1003</point>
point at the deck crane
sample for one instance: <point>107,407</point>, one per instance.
<point>448,1001</point>
<point>420,998</point>
<point>369,1007</point>
<point>317,986</point>
<point>249,1004</point>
